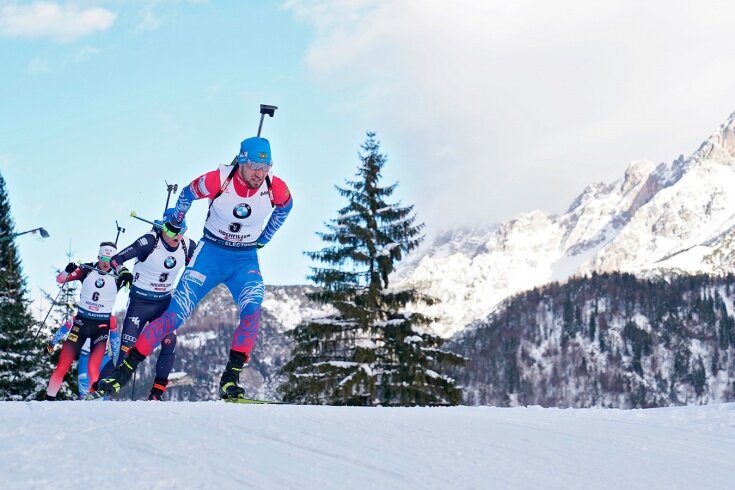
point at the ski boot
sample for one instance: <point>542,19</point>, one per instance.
<point>118,378</point>
<point>228,387</point>
<point>158,389</point>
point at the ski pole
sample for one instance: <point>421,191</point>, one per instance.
<point>265,109</point>
<point>132,391</point>
<point>52,307</point>
<point>133,214</point>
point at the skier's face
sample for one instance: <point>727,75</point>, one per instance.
<point>253,178</point>
<point>171,242</point>
<point>104,265</point>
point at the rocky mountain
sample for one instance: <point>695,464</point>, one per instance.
<point>658,220</point>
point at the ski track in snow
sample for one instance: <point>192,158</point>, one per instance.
<point>217,445</point>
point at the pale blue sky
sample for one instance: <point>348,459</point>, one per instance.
<point>485,108</point>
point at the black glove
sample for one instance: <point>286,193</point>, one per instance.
<point>70,267</point>
<point>125,277</point>
<point>48,349</point>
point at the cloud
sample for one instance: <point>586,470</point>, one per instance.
<point>149,20</point>
<point>62,23</point>
<point>86,53</point>
<point>38,65</point>
<point>500,107</point>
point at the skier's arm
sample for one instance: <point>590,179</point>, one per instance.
<point>77,274</point>
<point>283,201</point>
<point>203,186</point>
<point>139,249</point>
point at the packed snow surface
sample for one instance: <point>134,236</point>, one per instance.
<point>218,445</point>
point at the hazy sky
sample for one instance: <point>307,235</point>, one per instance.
<point>485,108</point>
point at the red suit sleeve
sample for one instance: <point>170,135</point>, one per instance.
<point>206,185</point>
<point>281,194</point>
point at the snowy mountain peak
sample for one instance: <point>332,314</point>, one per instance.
<point>636,173</point>
<point>657,219</point>
<point>721,145</point>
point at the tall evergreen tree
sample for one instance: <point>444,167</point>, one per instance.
<point>371,351</point>
<point>23,372</point>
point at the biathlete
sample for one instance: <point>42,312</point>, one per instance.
<point>160,255</point>
<point>92,321</point>
<point>243,197</point>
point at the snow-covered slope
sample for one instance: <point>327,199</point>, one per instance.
<point>217,445</point>
<point>657,219</point>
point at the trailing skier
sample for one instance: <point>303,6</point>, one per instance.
<point>160,255</point>
<point>92,321</point>
<point>243,197</point>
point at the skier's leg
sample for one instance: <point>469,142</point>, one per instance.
<point>164,364</point>
<point>130,331</point>
<point>96,353</point>
<point>69,350</point>
<point>246,286</point>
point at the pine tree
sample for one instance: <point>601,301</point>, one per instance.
<point>371,351</point>
<point>23,373</point>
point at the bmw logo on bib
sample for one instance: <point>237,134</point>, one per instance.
<point>242,210</point>
<point>169,263</point>
<point>99,282</point>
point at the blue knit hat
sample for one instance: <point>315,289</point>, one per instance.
<point>255,150</point>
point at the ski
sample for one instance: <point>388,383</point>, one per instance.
<point>254,402</point>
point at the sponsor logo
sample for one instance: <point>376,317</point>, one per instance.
<point>75,329</point>
<point>263,155</point>
<point>135,321</point>
<point>72,337</point>
<point>99,282</point>
<point>263,193</point>
<point>125,348</point>
<point>170,262</point>
<point>195,277</point>
<point>242,210</point>
<point>129,338</point>
<point>230,236</point>
<point>142,240</point>
<point>93,307</point>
